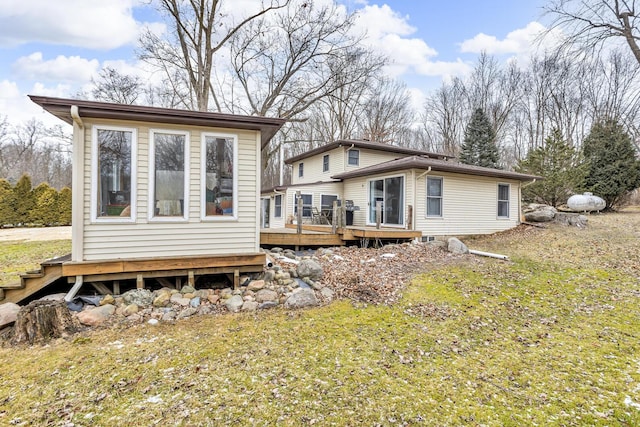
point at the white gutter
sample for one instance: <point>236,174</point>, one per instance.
<point>415,194</point>
<point>75,115</point>
<point>77,187</point>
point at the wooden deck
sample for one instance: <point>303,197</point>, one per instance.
<point>322,235</point>
<point>100,273</point>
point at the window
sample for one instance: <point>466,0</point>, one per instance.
<point>389,193</point>
<point>503,200</point>
<point>307,200</point>
<point>114,181</point>
<point>169,151</point>
<point>354,157</point>
<point>277,206</point>
<point>300,170</point>
<point>326,205</point>
<point>219,188</point>
<point>325,163</point>
<point>434,196</point>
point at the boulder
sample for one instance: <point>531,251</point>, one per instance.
<point>162,300</point>
<point>8,313</point>
<point>96,315</point>
<point>139,297</point>
<point>250,306</point>
<point>539,213</point>
<point>265,295</point>
<point>300,299</point>
<point>267,305</point>
<point>309,268</point>
<point>187,313</point>
<point>187,289</point>
<point>130,309</point>
<point>327,294</point>
<point>256,285</point>
<point>234,304</point>
<point>455,246</point>
<point>108,299</point>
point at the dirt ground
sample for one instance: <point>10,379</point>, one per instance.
<point>35,234</point>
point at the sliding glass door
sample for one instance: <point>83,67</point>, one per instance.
<point>390,193</point>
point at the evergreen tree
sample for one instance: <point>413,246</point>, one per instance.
<point>479,146</point>
<point>560,165</point>
<point>64,206</point>
<point>614,168</point>
<point>24,200</point>
<point>45,211</point>
<point>6,203</point>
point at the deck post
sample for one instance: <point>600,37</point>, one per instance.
<point>299,216</point>
<point>410,217</point>
<point>139,281</point>
<point>192,279</point>
<point>378,214</point>
<point>236,279</point>
<point>334,217</point>
<point>116,287</point>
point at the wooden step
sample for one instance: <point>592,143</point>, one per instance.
<point>14,285</point>
<point>31,275</point>
<point>34,284</point>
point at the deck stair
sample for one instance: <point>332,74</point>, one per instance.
<point>33,281</point>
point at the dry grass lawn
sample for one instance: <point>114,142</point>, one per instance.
<point>550,338</point>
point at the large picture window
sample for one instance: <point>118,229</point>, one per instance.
<point>503,200</point>
<point>169,155</point>
<point>389,192</point>
<point>434,196</point>
<point>220,175</point>
<point>113,173</point>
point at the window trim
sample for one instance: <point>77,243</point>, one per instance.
<point>295,206</point>
<point>301,170</point>
<point>275,204</point>
<point>325,163</point>
<point>94,175</point>
<point>441,197</point>
<point>203,178</point>
<point>152,178</point>
<point>355,150</point>
<point>508,201</point>
<point>404,188</point>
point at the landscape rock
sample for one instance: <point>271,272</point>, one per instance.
<point>8,313</point>
<point>300,299</point>
<point>187,290</point>
<point>140,297</point>
<point>195,302</point>
<point>256,285</point>
<point>108,299</point>
<point>180,300</point>
<point>187,313</point>
<point>265,295</point>
<point>163,299</point>
<point>267,305</point>
<point>96,315</point>
<point>327,294</point>
<point>539,213</point>
<point>234,304</point>
<point>455,246</point>
<point>130,309</point>
<point>249,306</point>
<point>310,268</point>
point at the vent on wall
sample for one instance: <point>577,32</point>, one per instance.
<point>428,238</point>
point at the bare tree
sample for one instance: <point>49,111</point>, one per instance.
<point>387,114</point>
<point>113,86</point>
<point>199,29</point>
<point>591,23</point>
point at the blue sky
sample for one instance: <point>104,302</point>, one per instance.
<point>53,48</point>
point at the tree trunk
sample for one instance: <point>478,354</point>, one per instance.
<point>42,320</point>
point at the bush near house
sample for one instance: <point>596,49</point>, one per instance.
<point>21,205</point>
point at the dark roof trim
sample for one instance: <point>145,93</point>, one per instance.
<point>61,108</point>
<point>356,143</point>
<point>436,165</point>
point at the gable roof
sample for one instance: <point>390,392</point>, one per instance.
<point>358,143</point>
<point>61,108</point>
<point>438,165</point>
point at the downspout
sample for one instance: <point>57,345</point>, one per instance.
<point>77,195</point>
<point>415,195</point>
<point>520,187</point>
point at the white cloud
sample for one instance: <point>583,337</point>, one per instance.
<point>518,42</point>
<point>104,24</point>
<point>389,33</point>
<point>61,68</point>
<point>18,108</point>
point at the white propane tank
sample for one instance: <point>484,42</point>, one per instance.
<point>586,202</point>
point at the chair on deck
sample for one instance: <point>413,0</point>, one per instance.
<point>318,217</point>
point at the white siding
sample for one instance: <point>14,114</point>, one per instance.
<point>193,237</point>
<point>469,206</point>
<point>329,188</point>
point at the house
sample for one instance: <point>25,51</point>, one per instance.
<point>416,190</point>
<point>162,192</point>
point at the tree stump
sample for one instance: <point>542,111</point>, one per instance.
<point>42,320</point>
